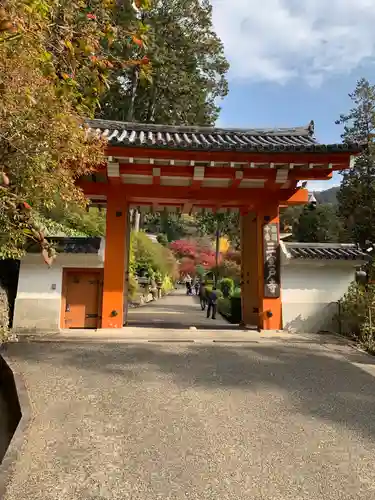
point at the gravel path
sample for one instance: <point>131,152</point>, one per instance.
<point>268,420</point>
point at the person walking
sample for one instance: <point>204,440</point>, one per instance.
<point>212,303</point>
<point>202,295</point>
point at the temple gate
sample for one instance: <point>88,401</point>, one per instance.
<point>189,169</point>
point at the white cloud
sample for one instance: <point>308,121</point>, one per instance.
<point>279,40</point>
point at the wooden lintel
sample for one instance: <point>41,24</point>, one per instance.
<point>213,196</point>
<point>298,158</point>
<point>227,172</point>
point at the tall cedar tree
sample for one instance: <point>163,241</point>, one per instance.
<point>189,69</point>
<point>356,197</point>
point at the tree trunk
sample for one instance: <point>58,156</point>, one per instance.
<point>152,105</point>
<point>137,218</point>
<point>135,80</point>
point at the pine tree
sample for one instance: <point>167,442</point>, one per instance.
<point>356,197</point>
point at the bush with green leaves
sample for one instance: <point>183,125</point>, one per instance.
<point>355,319</point>
<point>151,257</point>
<point>226,286</point>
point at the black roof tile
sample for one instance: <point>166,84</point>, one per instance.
<point>71,245</point>
<point>213,139</point>
<point>323,251</point>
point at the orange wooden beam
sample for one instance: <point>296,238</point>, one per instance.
<point>339,159</point>
<point>137,193</point>
<point>226,172</point>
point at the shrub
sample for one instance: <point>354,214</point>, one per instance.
<point>151,257</point>
<point>230,308</point>
<point>227,286</point>
<point>132,286</point>
<point>230,269</point>
<point>354,315</point>
<point>162,239</point>
<point>224,307</point>
<point>167,285</point>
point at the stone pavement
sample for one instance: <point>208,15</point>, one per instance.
<point>268,419</point>
<point>176,311</point>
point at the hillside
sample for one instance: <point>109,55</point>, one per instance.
<point>327,196</point>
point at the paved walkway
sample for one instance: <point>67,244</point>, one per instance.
<point>176,311</point>
<point>268,419</point>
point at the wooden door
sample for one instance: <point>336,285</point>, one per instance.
<point>82,299</point>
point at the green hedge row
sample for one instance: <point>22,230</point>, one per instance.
<point>230,308</point>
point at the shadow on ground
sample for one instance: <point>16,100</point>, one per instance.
<point>319,383</point>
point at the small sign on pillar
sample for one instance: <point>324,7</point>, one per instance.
<point>271,256</point>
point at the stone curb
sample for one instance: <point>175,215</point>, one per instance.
<point>19,437</point>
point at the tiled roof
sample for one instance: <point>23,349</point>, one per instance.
<point>213,139</point>
<point>71,245</point>
<point>319,251</point>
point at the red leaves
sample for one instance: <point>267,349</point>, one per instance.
<point>145,60</point>
<point>91,16</point>
<point>192,255</point>
<point>137,41</point>
<point>26,205</point>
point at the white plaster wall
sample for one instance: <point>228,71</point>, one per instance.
<point>38,300</point>
<point>310,291</point>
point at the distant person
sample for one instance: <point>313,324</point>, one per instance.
<point>196,287</point>
<point>212,303</point>
<point>189,288</point>
<point>202,295</point>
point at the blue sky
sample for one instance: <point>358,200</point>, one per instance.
<point>293,61</point>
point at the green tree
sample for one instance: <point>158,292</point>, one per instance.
<point>189,69</point>
<point>220,224</point>
<point>356,197</point>
<point>319,225</point>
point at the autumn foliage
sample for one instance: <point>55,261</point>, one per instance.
<point>192,253</point>
<point>56,59</point>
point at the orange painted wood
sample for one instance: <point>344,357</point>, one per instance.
<point>81,298</point>
<point>250,293</point>
<point>115,260</point>
<point>226,172</point>
<point>272,305</point>
<point>340,158</point>
<point>218,196</point>
<point>254,305</point>
<point>115,181</point>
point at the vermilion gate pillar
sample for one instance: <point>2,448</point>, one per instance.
<point>115,260</point>
<point>260,272</point>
